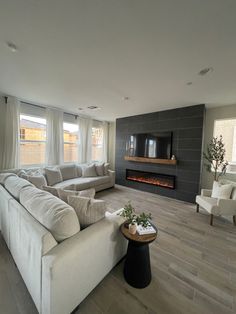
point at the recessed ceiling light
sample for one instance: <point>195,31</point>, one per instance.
<point>189,83</point>
<point>80,108</point>
<point>125,98</point>
<point>94,107</point>
<point>12,46</point>
<point>205,71</point>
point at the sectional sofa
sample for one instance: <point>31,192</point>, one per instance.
<point>70,176</point>
<point>59,263</point>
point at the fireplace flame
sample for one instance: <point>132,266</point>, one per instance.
<point>154,181</point>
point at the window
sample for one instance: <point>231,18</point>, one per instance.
<point>70,142</point>
<point>227,128</point>
<point>97,144</point>
<point>32,140</point>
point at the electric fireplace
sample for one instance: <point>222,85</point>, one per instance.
<point>162,180</point>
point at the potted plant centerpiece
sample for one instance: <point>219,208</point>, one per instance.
<point>133,220</point>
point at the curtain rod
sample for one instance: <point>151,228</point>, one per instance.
<point>44,107</point>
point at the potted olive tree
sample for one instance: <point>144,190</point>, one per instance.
<point>215,157</point>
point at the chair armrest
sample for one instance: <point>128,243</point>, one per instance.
<point>227,207</point>
<point>205,192</point>
<point>73,270</point>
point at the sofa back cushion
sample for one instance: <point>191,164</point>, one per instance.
<point>79,170</point>
<point>53,175</point>
<point>51,189</point>
<point>4,176</point>
<point>100,169</point>
<point>68,172</point>
<point>89,171</point>
<point>14,185</point>
<point>55,215</point>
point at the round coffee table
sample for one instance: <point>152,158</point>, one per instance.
<point>137,268</point>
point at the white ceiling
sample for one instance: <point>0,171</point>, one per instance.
<point>77,53</point>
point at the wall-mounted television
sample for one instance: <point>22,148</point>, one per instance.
<point>150,145</point>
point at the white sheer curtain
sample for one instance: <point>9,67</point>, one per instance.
<point>105,141</point>
<point>85,140</point>
<point>11,138</point>
<point>55,141</point>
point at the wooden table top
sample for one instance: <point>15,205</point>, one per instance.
<point>145,238</point>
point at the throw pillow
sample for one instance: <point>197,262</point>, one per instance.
<point>39,181</point>
<point>79,171</point>
<point>63,194</point>
<point>88,210</point>
<point>106,168</point>
<point>100,169</point>
<point>89,171</point>
<point>50,189</point>
<point>221,191</point>
<point>53,176</point>
<point>68,172</point>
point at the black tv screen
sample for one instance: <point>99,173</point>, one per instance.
<point>150,145</point>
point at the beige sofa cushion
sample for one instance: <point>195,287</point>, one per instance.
<point>63,194</point>
<point>89,171</point>
<point>51,189</point>
<point>100,169</point>
<point>38,180</point>
<point>88,210</point>
<point>53,176</point>
<point>4,176</point>
<point>58,217</point>
<point>68,172</point>
<point>14,185</point>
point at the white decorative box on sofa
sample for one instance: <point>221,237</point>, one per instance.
<point>60,265</point>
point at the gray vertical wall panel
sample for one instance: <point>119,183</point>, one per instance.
<point>187,127</point>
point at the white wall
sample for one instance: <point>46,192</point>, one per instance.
<point>111,144</point>
<point>213,114</point>
<point>2,127</point>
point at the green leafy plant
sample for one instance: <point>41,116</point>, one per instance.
<point>215,157</point>
<point>143,219</point>
<point>129,213</point>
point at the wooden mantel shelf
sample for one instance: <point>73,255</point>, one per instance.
<point>152,160</point>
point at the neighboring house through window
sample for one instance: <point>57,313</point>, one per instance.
<point>71,131</point>
<point>97,144</point>
<point>32,140</point>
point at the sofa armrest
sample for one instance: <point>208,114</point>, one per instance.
<point>205,192</point>
<point>227,207</point>
<point>112,175</point>
<point>75,267</point>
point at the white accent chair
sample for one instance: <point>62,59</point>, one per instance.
<point>217,206</point>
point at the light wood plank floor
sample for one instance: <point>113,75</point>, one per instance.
<point>193,265</point>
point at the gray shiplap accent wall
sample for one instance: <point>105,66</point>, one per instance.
<point>187,127</point>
